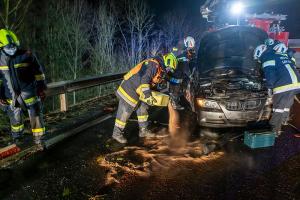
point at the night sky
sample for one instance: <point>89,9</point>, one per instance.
<point>288,7</point>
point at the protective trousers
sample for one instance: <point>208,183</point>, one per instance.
<point>124,112</point>
<point>282,102</point>
<point>16,120</point>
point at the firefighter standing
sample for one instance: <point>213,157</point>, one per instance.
<point>22,86</point>
<point>137,84</point>
<point>185,53</point>
<point>282,80</point>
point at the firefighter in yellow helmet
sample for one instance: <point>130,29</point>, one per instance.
<point>22,86</point>
<point>137,83</point>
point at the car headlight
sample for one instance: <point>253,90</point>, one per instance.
<point>208,104</point>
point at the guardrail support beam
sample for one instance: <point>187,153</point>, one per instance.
<point>63,102</point>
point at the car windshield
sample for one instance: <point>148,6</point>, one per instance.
<point>229,51</point>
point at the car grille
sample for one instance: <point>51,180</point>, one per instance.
<point>242,105</point>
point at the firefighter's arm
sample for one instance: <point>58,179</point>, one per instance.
<point>270,73</point>
<point>38,72</point>
<point>175,81</point>
<point>39,75</point>
<point>147,73</point>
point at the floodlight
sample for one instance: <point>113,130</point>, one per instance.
<point>237,8</point>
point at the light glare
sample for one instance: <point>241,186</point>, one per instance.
<point>237,8</point>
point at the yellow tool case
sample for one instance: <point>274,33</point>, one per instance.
<point>161,98</point>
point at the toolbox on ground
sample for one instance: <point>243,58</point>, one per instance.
<point>255,139</point>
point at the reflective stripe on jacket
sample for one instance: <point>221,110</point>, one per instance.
<point>280,72</point>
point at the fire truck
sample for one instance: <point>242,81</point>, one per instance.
<point>214,10</point>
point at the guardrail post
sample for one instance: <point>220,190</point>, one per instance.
<point>63,102</point>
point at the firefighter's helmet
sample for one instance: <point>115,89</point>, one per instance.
<point>170,61</point>
<point>7,37</point>
<point>269,42</point>
<point>259,51</point>
<point>280,48</point>
<point>189,42</point>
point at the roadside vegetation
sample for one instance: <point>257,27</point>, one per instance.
<point>76,39</point>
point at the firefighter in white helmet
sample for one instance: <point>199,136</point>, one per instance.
<point>282,81</point>
<point>185,53</point>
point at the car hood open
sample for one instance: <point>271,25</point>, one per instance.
<point>229,52</point>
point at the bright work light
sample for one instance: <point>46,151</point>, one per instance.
<point>237,8</point>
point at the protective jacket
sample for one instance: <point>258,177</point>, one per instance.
<point>184,69</point>
<point>140,80</point>
<point>20,76</point>
<point>280,72</point>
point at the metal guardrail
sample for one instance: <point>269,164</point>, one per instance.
<point>63,87</point>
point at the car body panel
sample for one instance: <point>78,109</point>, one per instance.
<point>227,74</point>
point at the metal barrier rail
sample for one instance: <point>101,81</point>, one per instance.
<point>63,87</point>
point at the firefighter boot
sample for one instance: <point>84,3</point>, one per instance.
<point>145,132</point>
<point>39,141</point>
<point>119,137</point>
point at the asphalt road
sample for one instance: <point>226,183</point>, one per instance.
<point>91,166</point>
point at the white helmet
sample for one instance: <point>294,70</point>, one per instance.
<point>259,51</point>
<point>269,42</point>
<point>189,42</point>
<point>280,48</point>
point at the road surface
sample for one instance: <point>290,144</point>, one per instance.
<point>91,166</point>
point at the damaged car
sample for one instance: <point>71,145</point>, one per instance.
<point>228,88</point>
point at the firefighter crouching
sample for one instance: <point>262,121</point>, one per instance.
<point>22,86</point>
<point>137,84</point>
<point>283,83</point>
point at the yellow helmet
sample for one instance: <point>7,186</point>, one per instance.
<point>8,37</point>
<point>170,61</point>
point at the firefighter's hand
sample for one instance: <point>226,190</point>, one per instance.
<point>150,100</point>
<point>4,102</point>
<point>269,101</point>
<point>270,93</point>
<point>41,93</point>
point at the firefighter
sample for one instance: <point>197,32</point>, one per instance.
<point>137,84</point>
<point>283,83</point>
<point>185,53</point>
<point>22,86</point>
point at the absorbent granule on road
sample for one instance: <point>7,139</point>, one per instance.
<point>156,157</point>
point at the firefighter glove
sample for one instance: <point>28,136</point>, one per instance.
<point>270,93</point>
<point>150,100</point>
<point>41,93</point>
<point>3,102</point>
